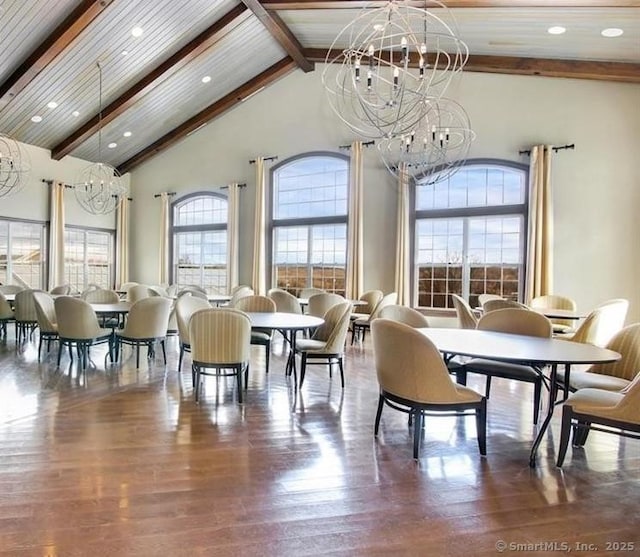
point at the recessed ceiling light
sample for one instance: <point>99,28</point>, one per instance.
<point>127,134</point>
<point>125,53</point>
<point>556,30</point>
<point>137,32</point>
<point>611,32</point>
<point>75,114</point>
<point>52,104</point>
<point>36,118</point>
<point>112,145</point>
<point>206,79</point>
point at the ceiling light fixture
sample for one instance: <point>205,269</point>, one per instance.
<point>125,53</point>
<point>112,145</point>
<point>127,134</point>
<point>99,188</point>
<point>14,166</point>
<point>556,30</point>
<point>206,79</point>
<point>137,32</point>
<point>75,114</point>
<point>52,104</point>
<point>36,119</point>
<point>612,32</point>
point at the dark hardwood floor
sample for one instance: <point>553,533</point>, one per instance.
<point>118,461</point>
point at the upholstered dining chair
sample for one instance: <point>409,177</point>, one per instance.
<point>62,290</point>
<point>403,314</point>
<point>6,314</point>
<point>260,337</point>
<point>220,341</point>
<point>326,345</point>
<point>518,322</point>
<point>308,292</point>
<point>482,298</point>
<point>192,292</point>
<point>499,303</point>
<point>185,307</point>
<point>285,301</point>
<point>78,326</point>
<point>146,325</point>
<point>360,326</point>
<point>124,287</point>
<point>137,292</point>
<point>24,310</point>
<point>372,299</point>
<point>10,289</point>
<point>319,304</point>
<point>47,322</point>
<point>100,296</point>
<point>618,411</point>
<point>413,378</point>
<point>239,294</point>
<point>466,317</point>
<point>157,290</point>
<point>601,325</point>
<point>554,301</point>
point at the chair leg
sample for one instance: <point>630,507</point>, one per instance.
<point>180,357</point>
<point>196,381</point>
<point>39,347</point>
<point>239,381</point>
<point>378,414</point>
<point>60,346</point>
<point>461,375</point>
<point>267,352</point>
<point>537,391</point>
<point>487,387</point>
<point>481,427</point>
<point>417,432</point>
<point>580,435</point>
<point>341,366</point>
<point>303,367</point>
<point>164,351</point>
<point>564,434</point>
<point>137,356</point>
<point>354,328</point>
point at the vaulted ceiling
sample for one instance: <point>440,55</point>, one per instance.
<point>153,91</point>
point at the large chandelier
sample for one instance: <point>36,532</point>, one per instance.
<point>98,188</point>
<point>383,64</point>
<point>436,147</point>
<point>14,166</point>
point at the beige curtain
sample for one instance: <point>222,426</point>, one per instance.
<point>355,241</point>
<point>259,280</point>
<point>540,248</point>
<point>402,283</point>
<point>122,242</point>
<point>56,235</point>
<point>163,260</point>
<point>233,227</point>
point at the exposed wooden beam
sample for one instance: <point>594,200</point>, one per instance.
<point>271,74</point>
<point>166,69</point>
<point>549,67</point>
<point>74,24</point>
<point>354,4</point>
<point>281,33</point>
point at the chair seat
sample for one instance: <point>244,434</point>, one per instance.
<point>502,369</point>
<point>355,316</point>
<point>363,322</point>
<point>563,329</point>
<point>588,380</point>
<point>260,337</point>
<point>310,345</point>
<point>596,402</point>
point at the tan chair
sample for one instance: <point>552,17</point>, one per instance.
<point>6,314</point>
<point>319,304</point>
<point>327,342</point>
<point>11,289</point>
<point>192,292</point>
<point>78,326</point>
<point>403,314</point>
<point>100,296</point>
<point>306,293</point>
<point>146,324</point>
<point>24,311</point>
<point>46,313</point>
<point>372,299</point>
<point>553,301</point>
<point>496,304</point>
<point>618,411</point>
<point>482,298</point>
<point>124,287</point>
<point>360,326</point>
<point>172,290</point>
<point>413,378</point>
<point>185,307</point>
<point>137,293</point>
<point>285,302</point>
<point>466,317</point>
<point>62,290</point>
<point>613,376</point>
<point>157,290</point>
<point>260,337</point>
<point>517,322</point>
<point>601,325</point>
<point>239,294</point>
<point>239,287</point>
<point>220,340</point>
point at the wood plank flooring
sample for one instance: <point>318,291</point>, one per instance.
<point>122,462</point>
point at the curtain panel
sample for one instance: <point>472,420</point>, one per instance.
<point>122,242</point>
<point>233,230</point>
<point>56,235</point>
<point>355,228</point>
<point>402,282</point>
<point>163,259</point>
<point>259,279</point>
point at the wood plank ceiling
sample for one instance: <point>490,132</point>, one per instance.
<point>154,93</point>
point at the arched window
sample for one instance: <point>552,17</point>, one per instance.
<point>470,234</point>
<point>199,235</point>
<point>309,222</point>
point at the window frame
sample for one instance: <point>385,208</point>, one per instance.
<point>44,250</point>
<point>466,212</point>
<point>112,251</point>
<point>211,227</point>
<point>272,223</point>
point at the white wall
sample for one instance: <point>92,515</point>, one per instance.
<point>597,193</point>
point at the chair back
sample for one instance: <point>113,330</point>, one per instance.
<point>45,312</point>
<point>11,288</point>
<point>308,292</point>
<point>24,307</point>
<point>627,343</point>
<point>403,314</point>
<point>388,300</point>
<point>285,302</point>
<point>137,292</point>
<point>220,336</point>
<point>466,317</point>
<point>482,298</point>
<point>239,294</point>
<point>172,290</point>
<point>335,328</point>
<point>186,292</point>
<point>409,365</point>
<point>76,319</point>
<point>157,290</point>
<point>6,311</point>
<point>185,307</point>
<point>612,318</point>
<point>319,304</point>
<point>62,290</point>
<point>148,318</point>
<point>101,296</point>
<point>628,409</point>
<point>372,299</point>
<point>256,304</point>
<point>517,322</point>
<point>239,287</point>
<point>500,303</point>
<point>553,301</point>
<point>124,287</point>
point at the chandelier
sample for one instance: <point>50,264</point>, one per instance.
<point>14,166</point>
<point>436,147</point>
<point>98,188</point>
<point>383,64</point>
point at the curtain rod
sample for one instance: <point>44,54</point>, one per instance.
<point>169,193</point>
<point>364,144</point>
<point>69,186</point>
<point>227,187</point>
<point>272,158</point>
<point>555,149</point>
